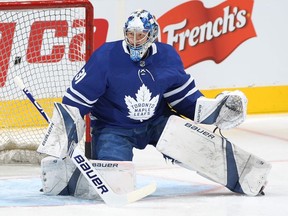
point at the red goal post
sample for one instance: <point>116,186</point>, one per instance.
<point>45,43</point>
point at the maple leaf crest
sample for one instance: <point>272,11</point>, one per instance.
<point>143,107</point>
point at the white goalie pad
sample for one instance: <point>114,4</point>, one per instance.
<point>66,124</point>
<point>226,111</point>
<point>60,177</point>
<point>213,156</point>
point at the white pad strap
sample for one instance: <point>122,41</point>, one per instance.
<point>213,156</point>
<point>226,111</point>
<point>66,123</point>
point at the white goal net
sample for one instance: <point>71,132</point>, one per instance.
<point>45,43</point>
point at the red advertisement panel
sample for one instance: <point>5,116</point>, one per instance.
<point>199,33</point>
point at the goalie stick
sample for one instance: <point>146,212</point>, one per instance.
<point>18,81</point>
<point>89,172</point>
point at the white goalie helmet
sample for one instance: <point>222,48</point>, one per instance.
<point>140,31</point>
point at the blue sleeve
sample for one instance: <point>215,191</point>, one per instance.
<point>183,93</point>
<point>85,88</point>
<point>183,98</point>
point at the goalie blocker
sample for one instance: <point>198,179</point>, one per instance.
<point>213,156</point>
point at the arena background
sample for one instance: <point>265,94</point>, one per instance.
<point>258,66</point>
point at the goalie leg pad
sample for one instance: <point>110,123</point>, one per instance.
<point>61,177</point>
<point>66,125</point>
<point>55,175</point>
<point>213,156</point>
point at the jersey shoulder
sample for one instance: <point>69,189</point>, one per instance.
<point>164,47</point>
<point>104,52</point>
<point>106,47</point>
<point>167,54</point>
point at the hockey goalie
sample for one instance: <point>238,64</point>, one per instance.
<point>137,92</point>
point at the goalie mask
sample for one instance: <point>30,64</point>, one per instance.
<point>140,31</point>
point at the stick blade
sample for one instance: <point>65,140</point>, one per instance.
<point>141,193</point>
<point>120,200</point>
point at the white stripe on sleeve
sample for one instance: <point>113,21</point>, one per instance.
<point>82,96</point>
<point>67,95</point>
<point>179,89</point>
<point>192,91</point>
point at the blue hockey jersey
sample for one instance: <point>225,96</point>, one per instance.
<point>119,92</point>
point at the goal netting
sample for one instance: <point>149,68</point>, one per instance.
<point>45,43</point>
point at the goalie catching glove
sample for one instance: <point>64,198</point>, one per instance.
<point>66,125</point>
<point>227,110</point>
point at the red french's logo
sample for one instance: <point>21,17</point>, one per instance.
<point>199,33</point>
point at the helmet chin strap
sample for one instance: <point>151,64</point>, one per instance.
<point>146,54</point>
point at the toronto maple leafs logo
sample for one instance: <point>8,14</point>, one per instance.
<point>143,107</point>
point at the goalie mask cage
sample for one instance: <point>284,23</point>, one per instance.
<point>45,43</point>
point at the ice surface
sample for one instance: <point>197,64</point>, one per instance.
<point>179,192</point>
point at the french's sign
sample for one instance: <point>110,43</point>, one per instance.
<point>199,33</point>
